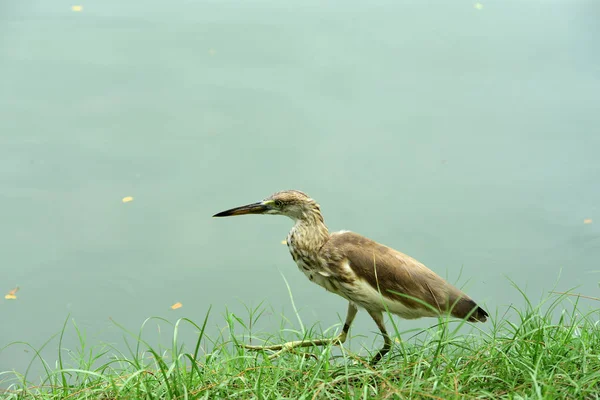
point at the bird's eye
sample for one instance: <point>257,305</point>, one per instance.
<point>279,203</point>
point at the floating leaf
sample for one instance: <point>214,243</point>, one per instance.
<point>587,221</point>
<point>77,8</point>
<point>12,294</point>
<point>176,306</point>
<point>127,199</point>
<point>284,242</point>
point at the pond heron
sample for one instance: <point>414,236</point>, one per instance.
<point>367,274</point>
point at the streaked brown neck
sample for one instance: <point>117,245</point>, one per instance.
<point>310,232</point>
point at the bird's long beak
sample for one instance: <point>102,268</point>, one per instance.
<point>254,208</point>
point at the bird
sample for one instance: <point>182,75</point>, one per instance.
<point>369,275</point>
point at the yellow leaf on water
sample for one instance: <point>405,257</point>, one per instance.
<point>478,6</point>
<point>587,221</point>
<point>176,306</point>
<point>284,242</point>
<point>77,8</point>
<point>127,199</point>
<point>12,294</point>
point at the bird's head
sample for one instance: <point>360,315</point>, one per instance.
<point>291,203</point>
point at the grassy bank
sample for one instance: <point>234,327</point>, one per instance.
<point>550,350</point>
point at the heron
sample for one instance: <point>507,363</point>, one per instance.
<point>369,275</point>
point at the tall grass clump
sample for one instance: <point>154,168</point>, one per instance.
<point>544,351</point>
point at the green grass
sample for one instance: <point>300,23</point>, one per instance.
<point>550,350</point>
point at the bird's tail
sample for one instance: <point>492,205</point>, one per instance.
<point>467,309</point>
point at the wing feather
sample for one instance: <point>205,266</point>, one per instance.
<point>399,277</point>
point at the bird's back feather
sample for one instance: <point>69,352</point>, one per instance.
<point>399,278</point>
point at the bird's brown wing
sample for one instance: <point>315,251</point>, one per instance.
<point>400,277</point>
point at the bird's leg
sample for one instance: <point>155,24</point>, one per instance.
<point>387,342</point>
<point>341,338</point>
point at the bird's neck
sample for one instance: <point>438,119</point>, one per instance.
<point>309,233</point>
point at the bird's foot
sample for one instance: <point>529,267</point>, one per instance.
<point>282,348</point>
<point>381,353</point>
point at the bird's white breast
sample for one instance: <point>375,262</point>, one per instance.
<point>309,267</point>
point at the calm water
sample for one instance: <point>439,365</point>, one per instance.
<point>466,138</point>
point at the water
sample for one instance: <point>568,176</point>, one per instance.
<point>466,138</point>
